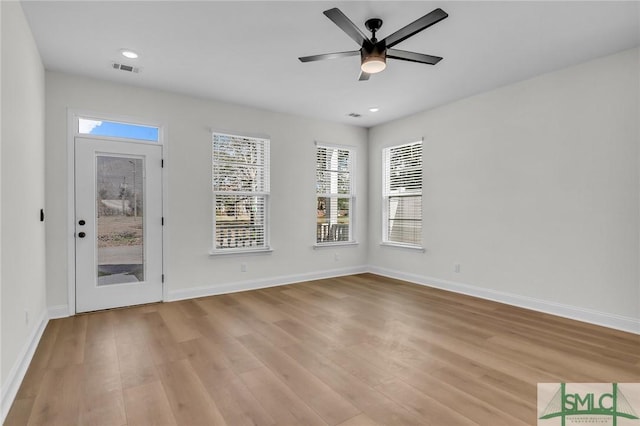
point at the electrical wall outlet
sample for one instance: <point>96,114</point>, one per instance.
<point>336,257</point>
<point>456,268</point>
<point>243,267</point>
<point>26,317</point>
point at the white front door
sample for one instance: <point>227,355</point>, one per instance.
<point>118,223</point>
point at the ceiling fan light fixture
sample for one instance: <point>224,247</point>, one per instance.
<point>373,64</point>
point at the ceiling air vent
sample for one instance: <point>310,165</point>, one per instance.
<point>354,115</point>
<point>123,67</point>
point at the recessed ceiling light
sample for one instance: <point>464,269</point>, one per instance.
<point>129,53</point>
<point>374,109</point>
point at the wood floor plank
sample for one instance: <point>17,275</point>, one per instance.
<point>20,412</point>
<point>136,364</point>
<point>178,324</point>
<point>218,314</point>
<point>207,358</point>
<point>190,309</point>
<point>478,387</point>
<point>100,342</point>
<point>147,405</point>
<point>365,398</point>
<point>459,400</point>
<point>100,378</point>
<point>257,308</point>
<point>275,335</point>
<point>40,362</point>
<point>103,409</point>
<point>282,404</point>
<point>101,399</point>
<point>326,402</point>
<point>69,345</point>
<point>357,350</point>
<point>160,342</point>
<point>58,402</point>
<point>235,402</point>
<point>359,420</point>
<point>189,401</point>
<point>429,410</point>
<point>241,358</point>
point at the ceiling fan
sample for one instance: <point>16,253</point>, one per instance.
<point>374,52</point>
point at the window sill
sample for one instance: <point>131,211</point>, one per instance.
<point>240,251</point>
<point>336,244</point>
<point>404,246</point>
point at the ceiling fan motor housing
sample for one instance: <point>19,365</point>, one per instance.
<point>373,57</point>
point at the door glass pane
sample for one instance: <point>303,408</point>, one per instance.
<point>120,219</point>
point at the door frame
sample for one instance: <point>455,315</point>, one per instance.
<point>72,132</point>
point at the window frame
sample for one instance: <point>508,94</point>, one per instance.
<point>387,195</point>
<point>351,195</point>
<point>265,143</point>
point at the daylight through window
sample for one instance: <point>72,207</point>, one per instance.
<point>402,192</point>
<point>115,129</point>
<point>240,184</point>
<point>334,194</point>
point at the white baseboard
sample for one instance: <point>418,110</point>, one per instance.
<point>59,311</point>
<point>19,369</point>
<point>618,322</point>
<point>212,290</point>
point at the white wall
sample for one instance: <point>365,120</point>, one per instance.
<point>188,120</point>
<point>22,181</point>
<point>532,188</point>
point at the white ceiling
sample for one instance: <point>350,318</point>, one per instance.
<point>246,52</point>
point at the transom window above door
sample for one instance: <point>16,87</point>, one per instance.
<point>116,129</point>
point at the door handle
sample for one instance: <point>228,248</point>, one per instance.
<point>82,234</point>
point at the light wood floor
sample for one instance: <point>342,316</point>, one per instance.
<point>358,350</point>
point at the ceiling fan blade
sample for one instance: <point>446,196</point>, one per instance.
<point>415,27</point>
<point>329,56</point>
<point>345,24</point>
<point>421,58</point>
<point>364,76</point>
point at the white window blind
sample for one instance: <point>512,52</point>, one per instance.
<point>335,195</point>
<point>402,192</point>
<point>240,183</point>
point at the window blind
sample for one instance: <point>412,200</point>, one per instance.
<point>402,193</point>
<point>240,184</point>
<point>334,194</point>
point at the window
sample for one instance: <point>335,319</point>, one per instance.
<point>240,184</point>
<point>402,193</point>
<point>335,194</point>
<point>114,129</point>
